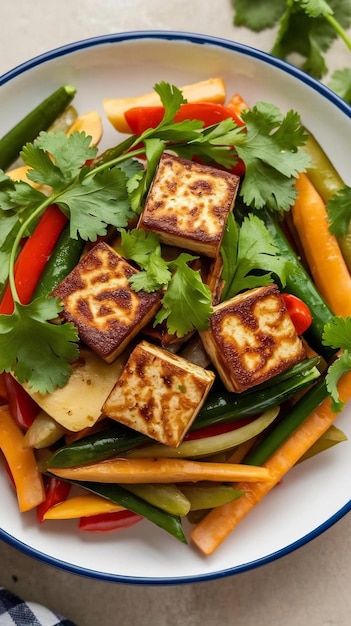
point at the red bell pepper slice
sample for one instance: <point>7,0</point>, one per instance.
<point>140,119</point>
<point>108,522</point>
<point>22,407</point>
<point>56,491</point>
<point>299,312</point>
<point>34,256</point>
<point>217,429</point>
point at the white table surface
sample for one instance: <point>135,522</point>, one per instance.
<point>312,585</point>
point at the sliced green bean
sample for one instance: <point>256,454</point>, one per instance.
<point>40,118</point>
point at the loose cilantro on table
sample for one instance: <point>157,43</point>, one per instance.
<point>96,193</point>
<point>341,83</point>
<point>306,28</point>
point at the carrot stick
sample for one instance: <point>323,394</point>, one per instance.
<point>159,470</point>
<point>218,524</point>
<point>238,104</point>
<point>321,248</point>
<point>22,463</point>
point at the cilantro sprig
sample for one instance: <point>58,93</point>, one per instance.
<point>250,257</point>
<point>34,350</point>
<point>269,149</point>
<point>187,301</point>
<point>306,28</point>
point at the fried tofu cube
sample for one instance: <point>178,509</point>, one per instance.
<point>188,204</point>
<point>99,300</point>
<point>158,393</point>
<point>252,338</point>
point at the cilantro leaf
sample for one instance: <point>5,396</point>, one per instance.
<point>155,276</point>
<point>258,14</point>
<point>335,371</point>
<point>55,159</point>
<point>337,334</point>
<point>339,212</point>
<point>138,186</point>
<point>214,143</point>
<point>69,153</point>
<point>187,303</point>
<point>144,248</point>
<point>137,245</point>
<point>251,257</point>
<point>229,253</point>
<point>43,170</point>
<point>36,351</point>
<point>98,201</point>
<point>270,151</point>
<point>315,8</point>
<point>171,98</point>
<point>19,196</point>
<point>341,83</point>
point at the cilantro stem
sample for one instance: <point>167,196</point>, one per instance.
<point>339,29</point>
<point>122,157</point>
<point>36,214</point>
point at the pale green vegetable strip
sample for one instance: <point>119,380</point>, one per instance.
<point>209,496</point>
<point>167,497</point>
<point>208,445</point>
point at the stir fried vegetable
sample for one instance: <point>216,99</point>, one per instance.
<point>114,261</point>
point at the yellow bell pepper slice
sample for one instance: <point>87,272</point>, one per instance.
<point>22,463</point>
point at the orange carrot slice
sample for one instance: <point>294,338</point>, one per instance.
<point>323,255</point>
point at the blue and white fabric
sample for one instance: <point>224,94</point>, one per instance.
<point>15,612</point>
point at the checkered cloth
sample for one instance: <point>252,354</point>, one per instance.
<point>16,612</point>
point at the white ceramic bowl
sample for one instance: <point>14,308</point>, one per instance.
<point>316,493</point>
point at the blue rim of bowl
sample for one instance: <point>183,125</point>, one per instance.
<point>178,36</point>
<point>316,86</point>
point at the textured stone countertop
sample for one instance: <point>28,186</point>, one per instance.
<point>310,586</point>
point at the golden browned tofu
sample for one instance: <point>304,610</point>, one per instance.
<point>98,299</point>
<point>252,338</point>
<point>158,393</point>
<point>188,204</point>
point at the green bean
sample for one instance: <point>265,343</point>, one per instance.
<point>40,118</point>
<point>119,495</point>
<point>288,424</point>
